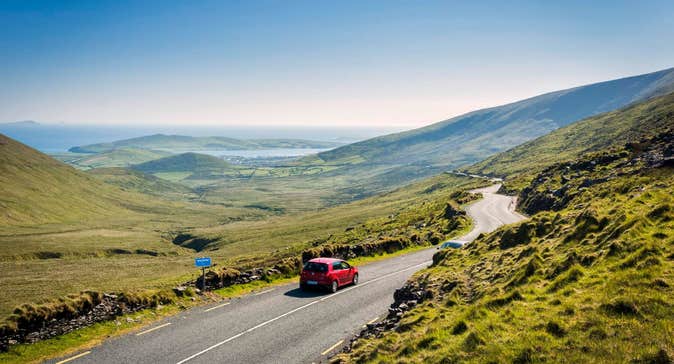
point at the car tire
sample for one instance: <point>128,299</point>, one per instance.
<point>334,286</point>
<point>303,287</point>
<point>355,279</point>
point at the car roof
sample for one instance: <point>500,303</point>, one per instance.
<point>325,260</point>
<point>462,242</point>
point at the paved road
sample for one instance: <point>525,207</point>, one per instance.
<point>283,324</point>
<point>492,211</point>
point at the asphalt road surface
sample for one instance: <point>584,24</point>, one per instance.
<point>283,324</point>
<point>491,212</point>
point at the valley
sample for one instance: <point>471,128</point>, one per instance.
<point>134,227</point>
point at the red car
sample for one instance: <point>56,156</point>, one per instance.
<point>330,273</point>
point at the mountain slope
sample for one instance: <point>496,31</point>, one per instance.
<point>188,143</point>
<point>587,279</point>
<point>474,136</point>
<point>131,180</point>
<point>37,189</point>
<point>590,135</point>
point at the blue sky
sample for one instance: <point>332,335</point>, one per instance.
<point>350,63</point>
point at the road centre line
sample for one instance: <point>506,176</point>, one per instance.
<point>74,357</point>
<point>152,329</point>
<point>332,347</point>
<point>363,284</point>
<point>216,307</point>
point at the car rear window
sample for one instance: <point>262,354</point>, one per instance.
<point>451,244</point>
<point>316,267</point>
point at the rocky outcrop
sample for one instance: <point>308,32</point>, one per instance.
<point>556,186</point>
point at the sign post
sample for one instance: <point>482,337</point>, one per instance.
<point>203,263</point>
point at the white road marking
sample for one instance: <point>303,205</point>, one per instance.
<point>332,347</point>
<point>216,307</point>
<point>373,320</point>
<point>263,292</point>
<point>74,357</point>
<point>363,284</point>
<point>152,329</point>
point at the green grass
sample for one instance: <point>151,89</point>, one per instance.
<point>129,180</point>
<point>400,209</point>
<point>607,308</point>
<point>172,176</point>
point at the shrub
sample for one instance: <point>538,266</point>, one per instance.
<point>525,356</point>
<point>555,329</point>
<point>621,307</point>
<point>459,328</point>
<point>472,341</point>
<point>521,234</point>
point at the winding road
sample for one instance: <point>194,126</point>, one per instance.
<point>283,324</point>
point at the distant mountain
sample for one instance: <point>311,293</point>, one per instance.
<point>474,136</point>
<point>21,123</point>
<point>189,143</point>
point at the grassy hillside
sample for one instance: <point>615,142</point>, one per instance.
<point>589,278</point>
<point>189,143</point>
<point>63,230</point>
<point>121,157</point>
<point>186,162</point>
<point>37,189</point>
<point>130,180</point>
<point>190,166</point>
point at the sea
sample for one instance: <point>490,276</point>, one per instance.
<point>58,138</point>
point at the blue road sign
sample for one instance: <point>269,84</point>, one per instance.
<point>202,262</point>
